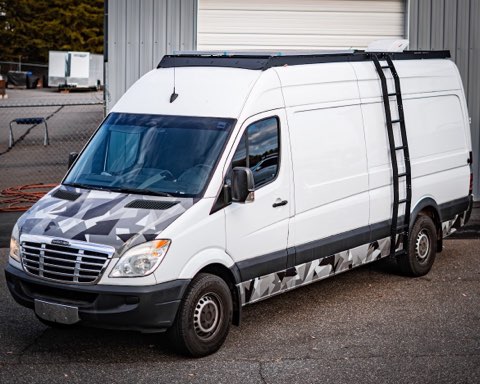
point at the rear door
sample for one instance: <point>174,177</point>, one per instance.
<point>257,232</point>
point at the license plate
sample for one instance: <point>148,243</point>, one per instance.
<point>57,313</point>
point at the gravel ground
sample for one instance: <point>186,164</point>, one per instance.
<point>368,325</point>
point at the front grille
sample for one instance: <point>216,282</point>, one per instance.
<point>69,264</point>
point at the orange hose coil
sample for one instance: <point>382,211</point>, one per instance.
<point>21,198</point>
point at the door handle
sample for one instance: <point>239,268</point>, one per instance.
<point>279,203</point>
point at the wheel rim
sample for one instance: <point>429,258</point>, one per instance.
<point>207,316</point>
<point>422,246</point>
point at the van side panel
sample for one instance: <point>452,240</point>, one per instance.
<point>438,152</point>
<point>330,172</point>
<point>437,139</point>
<point>438,148</point>
<point>328,155</point>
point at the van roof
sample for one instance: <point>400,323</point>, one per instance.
<point>265,60</point>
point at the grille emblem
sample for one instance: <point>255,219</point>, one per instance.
<point>60,242</point>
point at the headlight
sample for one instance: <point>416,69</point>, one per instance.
<point>141,260</point>
<point>14,249</point>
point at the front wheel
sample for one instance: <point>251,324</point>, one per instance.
<point>422,248</point>
<point>204,317</point>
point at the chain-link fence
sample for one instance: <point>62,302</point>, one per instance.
<point>28,159</point>
<point>39,70</point>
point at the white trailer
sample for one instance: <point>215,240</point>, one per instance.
<point>75,70</point>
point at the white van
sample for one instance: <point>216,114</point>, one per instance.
<point>219,180</point>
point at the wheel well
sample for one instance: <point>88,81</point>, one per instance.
<point>227,275</point>
<point>433,214</point>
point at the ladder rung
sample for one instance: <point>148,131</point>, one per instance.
<point>400,147</point>
<point>402,201</point>
<point>386,66</point>
<point>402,174</point>
<point>393,94</point>
<point>397,121</point>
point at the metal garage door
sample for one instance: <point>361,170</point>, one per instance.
<point>300,24</point>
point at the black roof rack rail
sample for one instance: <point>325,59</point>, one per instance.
<point>263,61</point>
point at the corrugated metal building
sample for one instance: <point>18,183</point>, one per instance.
<point>453,25</point>
<point>140,32</point>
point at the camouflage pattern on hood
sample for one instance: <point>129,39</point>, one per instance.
<point>101,217</point>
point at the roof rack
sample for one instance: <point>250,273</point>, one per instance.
<point>266,60</point>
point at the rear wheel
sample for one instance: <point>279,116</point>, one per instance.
<point>204,317</point>
<point>422,248</point>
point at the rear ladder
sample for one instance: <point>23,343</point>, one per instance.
<point>397,227</point>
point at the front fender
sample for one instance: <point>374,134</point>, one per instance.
<point>205,258</point>
<point>216,257</point>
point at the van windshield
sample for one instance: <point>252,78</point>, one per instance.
<point>152,154</point>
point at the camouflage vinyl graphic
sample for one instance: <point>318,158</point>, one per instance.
<point>450,226</point>
<point>272,284</point>
<point>265,286</point>
<point>100,217</point>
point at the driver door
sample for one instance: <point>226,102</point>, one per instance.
<point>257,231</point>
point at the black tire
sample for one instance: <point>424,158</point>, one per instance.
<point>52,324</point>
<point>422,248</point>
<point>204,317</point>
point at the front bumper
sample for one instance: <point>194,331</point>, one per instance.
<point>140,308</point>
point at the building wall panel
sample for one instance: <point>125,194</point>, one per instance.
<point>146,36</point>
<point>140,32</point>
<point>132,26</point>
<point>159,30</point>
<point>424,23</point>
<point>437,27</point>
<point>454,25</point>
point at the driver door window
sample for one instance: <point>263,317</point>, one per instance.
<point>259,151</point>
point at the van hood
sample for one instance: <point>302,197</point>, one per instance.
<point>102,217</point>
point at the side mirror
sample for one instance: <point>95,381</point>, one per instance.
<point>71,158</point>
<point>243,185</point>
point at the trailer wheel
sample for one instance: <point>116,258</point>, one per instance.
<point>204,317</point>
<point>422,248</point>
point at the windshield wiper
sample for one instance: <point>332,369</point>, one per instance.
<point>140,191</point>
<point>85,186</point>
<point>119,189</point>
